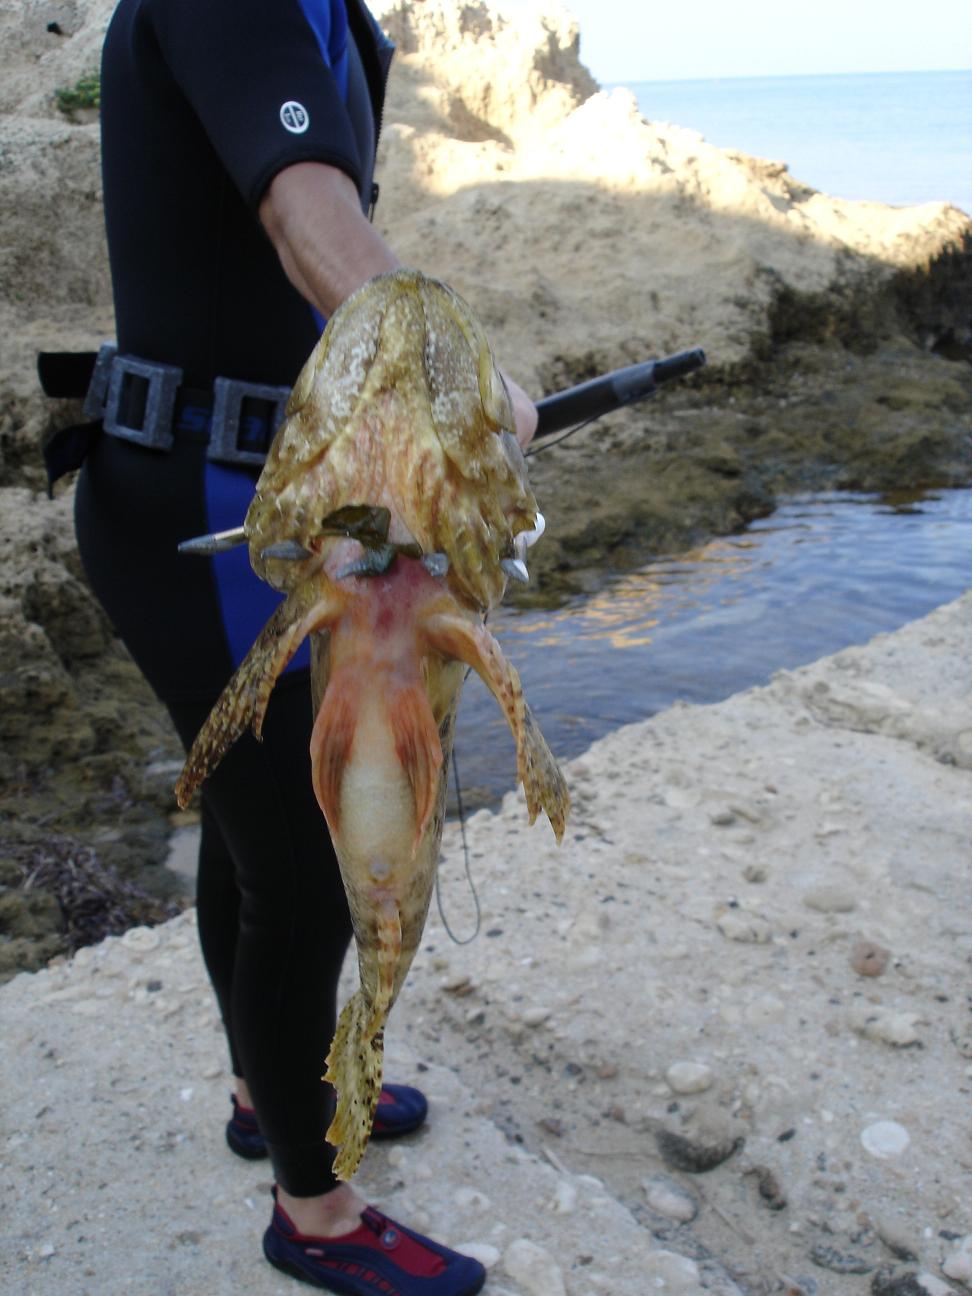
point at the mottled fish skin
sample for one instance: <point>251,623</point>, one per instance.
<point>399,408</point>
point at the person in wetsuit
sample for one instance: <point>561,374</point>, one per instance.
<point>238,142</point>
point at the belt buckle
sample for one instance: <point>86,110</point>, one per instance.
<point>228,397</point>
<point>97,393</point>
<point>163,380</point>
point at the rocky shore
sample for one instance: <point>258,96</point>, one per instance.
<point>718,1042</point>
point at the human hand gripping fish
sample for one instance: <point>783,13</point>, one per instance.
<point>387,512</point>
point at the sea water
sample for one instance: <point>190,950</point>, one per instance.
<point>891,137</point>
<point>821,573</point>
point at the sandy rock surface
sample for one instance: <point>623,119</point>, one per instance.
<point>659,1059</point>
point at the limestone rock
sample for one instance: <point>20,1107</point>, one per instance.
<point>748,928</point>
<point>675,1275</point>
<point>959,1263</point>
<point>689,1077</point>
<point>885,1139</point>
<point>670,1199</point>
<point>869,959</point>
<point>534,1269</point>
<point>884,1025</point>
<point>829,899</point>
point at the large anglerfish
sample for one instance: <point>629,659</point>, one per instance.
<point>387,512</point>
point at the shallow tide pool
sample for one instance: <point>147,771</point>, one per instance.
<point>823,572</point>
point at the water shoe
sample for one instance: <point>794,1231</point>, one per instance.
<point>400,1110</point>
<point>379,1258</point>
<point>243,1133</point>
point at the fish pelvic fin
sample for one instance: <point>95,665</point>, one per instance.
<point>418,748</point>
<point>356,1057</point>
<point>543,784</point>
<point>243,702</point>
<point>331,742</point>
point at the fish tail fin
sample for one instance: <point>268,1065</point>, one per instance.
<point>418,749</point>
<point>543,783</point>
<point>331,741</point>
<point>354,1068</point>
<point>355,1060</point>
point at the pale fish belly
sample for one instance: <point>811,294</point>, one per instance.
<point>377,804</point>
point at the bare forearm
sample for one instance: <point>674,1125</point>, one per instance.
<point>328,249</point>
<point>326,245</point>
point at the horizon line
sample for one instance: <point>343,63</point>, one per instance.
<point>774,76</point>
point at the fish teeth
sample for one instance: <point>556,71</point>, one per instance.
<point>531,537</point>
<point>525,540</point>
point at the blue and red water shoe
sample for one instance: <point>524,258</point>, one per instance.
<point>243,1133</point>
<point>400,1110</point>
<point>379,1258</point>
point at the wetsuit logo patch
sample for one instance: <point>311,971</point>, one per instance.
<point>294,116</point>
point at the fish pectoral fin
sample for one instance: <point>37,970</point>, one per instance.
<point>331,742</point>
<point>543,783</point>
<point>243,702</point>
<point>356,1057</point>
<point>419,750</point>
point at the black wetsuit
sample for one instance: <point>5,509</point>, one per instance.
<point>202,104</point>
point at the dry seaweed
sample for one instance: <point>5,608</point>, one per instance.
<point>94,900</point>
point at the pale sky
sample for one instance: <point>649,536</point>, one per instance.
<point>656,40</point>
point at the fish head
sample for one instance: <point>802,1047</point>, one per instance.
<point>400,407</point>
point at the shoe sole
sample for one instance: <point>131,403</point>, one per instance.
<point>247,1153</point>
<point>294,1271</point>
<point>390,1132</point>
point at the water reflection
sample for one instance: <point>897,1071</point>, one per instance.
<point>823,572</point>
<point>626,612</point>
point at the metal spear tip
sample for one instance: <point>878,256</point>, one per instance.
<point>215,543</point>
<point>288,550</point>
<point>516,569</point>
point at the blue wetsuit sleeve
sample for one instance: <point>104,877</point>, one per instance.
<point>265,81</point>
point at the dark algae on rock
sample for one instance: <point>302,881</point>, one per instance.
<point>59,896</point>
